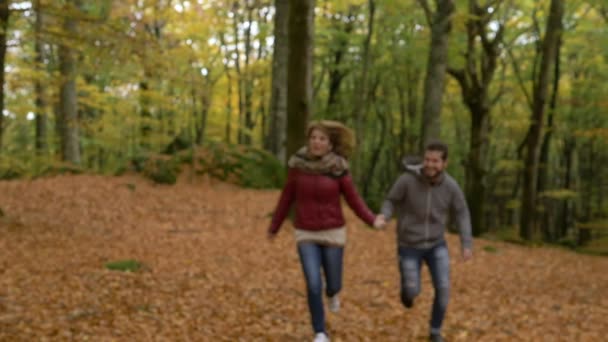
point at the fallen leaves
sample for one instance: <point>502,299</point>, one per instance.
<point>211,274</point>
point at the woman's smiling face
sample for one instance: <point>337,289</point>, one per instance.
<point>319,143</point>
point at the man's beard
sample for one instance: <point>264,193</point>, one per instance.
<point>435,176</point>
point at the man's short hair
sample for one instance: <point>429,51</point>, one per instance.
<point>438,146</point>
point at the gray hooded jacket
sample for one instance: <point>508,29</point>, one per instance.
<point>422,208</point>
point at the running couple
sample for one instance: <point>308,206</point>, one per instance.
<point>421,198</point>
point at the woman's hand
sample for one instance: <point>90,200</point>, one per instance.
<point>379,222</point>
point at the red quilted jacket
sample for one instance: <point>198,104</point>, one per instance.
<point>317,201</point>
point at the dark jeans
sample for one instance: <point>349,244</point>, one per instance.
<point>438,261</point>
<point>313,257</point>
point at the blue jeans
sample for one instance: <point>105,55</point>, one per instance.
<point>313,257</point>
<point>438,261</point>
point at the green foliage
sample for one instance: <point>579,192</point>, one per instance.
<point>246,166</point>
<point>511,235</point>
<point>567,242</point>
<point>184,157</point>
<point>128,265</point>
<point>595,247</point>
<point>11,168</point>
<point>139,160</point>
<point>374,200</point>
<point>59,168</point>
<point>490,249</point>
<point>162,169</point>
<point>559,194</point>
<point>259,169</point>
<point>120,170</point>
<point>179,143</point>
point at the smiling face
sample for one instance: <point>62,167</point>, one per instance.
<point>434,164</point>
<point>319,143</point>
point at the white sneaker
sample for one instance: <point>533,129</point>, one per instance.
<point>321,337</point>
<point>334,303</point>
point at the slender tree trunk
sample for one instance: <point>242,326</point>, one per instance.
<point>412,105</point>
<point>248,81</point>
<point>145,112</point>
<point>299,79</point>
<point>549,50</point>
<point>436,70</point>
<point>566,212</point>
<point>543,170</point>
<point>4,16</point>
<point>206,97</point>
<point>68,97</point>
<point>361,94</point>
<point>41,117</point>
<point>228,109</point>
<point>376,153</point>
<point>239,73</point>
<point>278,101</point>
<point>600,190</point>
<point>402,118</point>
<point>204,115</point>
<point>336,72</point>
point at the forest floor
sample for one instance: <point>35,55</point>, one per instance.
<point>210,273</point>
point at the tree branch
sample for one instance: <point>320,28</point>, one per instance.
<point>461,77</point>
<point>519,78</point>
<point>427,11</point>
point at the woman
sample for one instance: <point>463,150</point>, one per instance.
<point>318,176</point>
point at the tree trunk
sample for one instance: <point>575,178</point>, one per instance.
<point>435,72</point>
<point>202,123</point>
<point>475,170</point>
<point>566,212</point>
<point>336,72</point>
<point>408,109</point>
<point>543,169</point>
<point>527,229</point>
<point>4,16</point>
<point>248,82</point>
<point>299,79</point>
<point>278,101</point>
<point>412,105</point>
<point>145,112</point>
<point>475,80</point>
<point>68,100</point>
<point>381,114</point>
<point>206,98</point>
<point>228,109</point>
<point>239,74</point>
<point>402,139</point>
<point>41,117</point>
<point>361,94</point>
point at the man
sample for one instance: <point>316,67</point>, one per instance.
<point>422,197</point>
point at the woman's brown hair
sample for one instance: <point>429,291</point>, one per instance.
<point>341,137</point>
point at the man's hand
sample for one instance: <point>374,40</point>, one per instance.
<point>379,222</point>
<point>467,254</point>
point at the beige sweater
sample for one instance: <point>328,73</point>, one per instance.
<point>330,237</point>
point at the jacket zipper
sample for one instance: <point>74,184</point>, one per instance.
<point>428,214</point>
<point>317,198</point>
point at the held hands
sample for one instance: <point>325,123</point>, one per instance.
<point>379,222</point>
